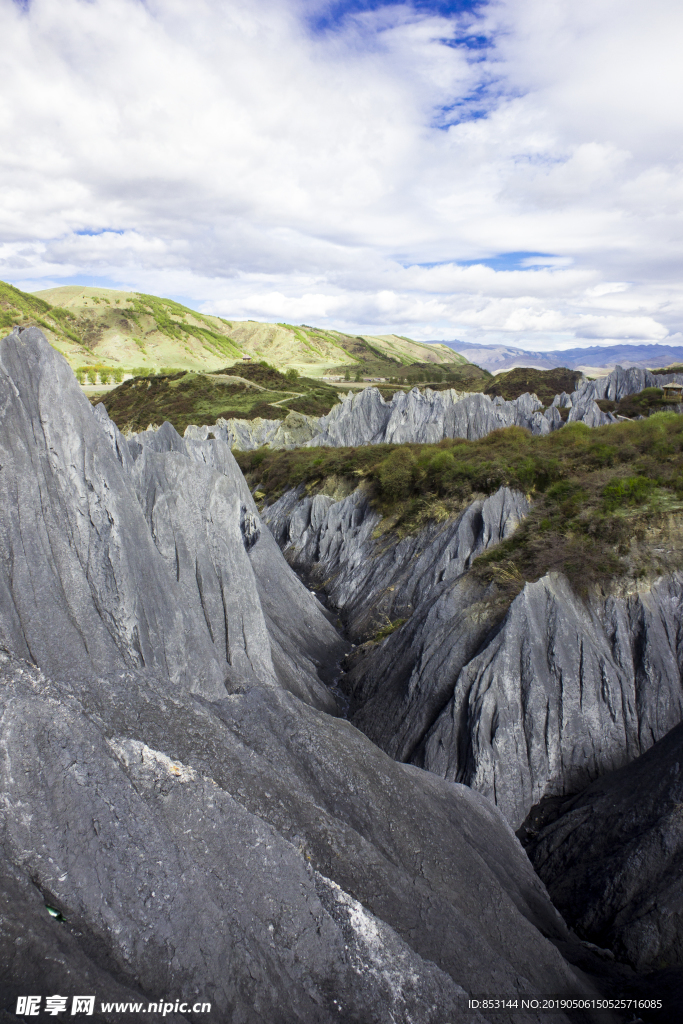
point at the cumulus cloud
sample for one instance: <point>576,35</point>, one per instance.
<point>374,170</point>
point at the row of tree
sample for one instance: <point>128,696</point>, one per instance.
<point>99,374</point>
<point>411,376</point>
<point>114,374</point>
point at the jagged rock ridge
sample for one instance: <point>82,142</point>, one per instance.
<point>171,783</point>
<point>428,417</point>
<point>519,703</point>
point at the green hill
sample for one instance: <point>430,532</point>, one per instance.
<point>103,327</point>
<point>245,391</point>
<point>543,383</point>
<point>438,377</point>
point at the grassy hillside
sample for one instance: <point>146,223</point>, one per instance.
<point>606,501</point>
<point>307,348</point>
<point>20,309</point>
<point>99,326</point>
<point>133,329</point>
<point>543,383</point>
<point>245,391</point>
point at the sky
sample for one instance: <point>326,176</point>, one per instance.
<point>496,172</point>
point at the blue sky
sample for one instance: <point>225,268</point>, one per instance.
<point>498,172</point>
<point>326,17</point>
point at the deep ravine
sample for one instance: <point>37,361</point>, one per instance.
<point>527,703</point>
<point>176,781</point>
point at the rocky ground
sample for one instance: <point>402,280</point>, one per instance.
<point>181,786</point>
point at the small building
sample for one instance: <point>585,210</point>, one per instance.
<point>246,359</point>
<point>673,392</point>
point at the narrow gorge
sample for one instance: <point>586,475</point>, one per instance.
<point>271,750</point>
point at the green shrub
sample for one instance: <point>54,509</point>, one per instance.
<point>440,470</point>
<point>397,474</point>
<point>387,630</point>
<point>629,491</point>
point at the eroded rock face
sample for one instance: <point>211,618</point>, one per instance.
<point>533,704</point>
<point>121,555</point>
<point>365,418</point>
<point>203,830</point>
<point>295,430</point>
<point>622,382</point>
<point>563,692</point>
<point>429,416</point>
<point>82,587</point>
<point>612,858</point>
<point>177,835</point>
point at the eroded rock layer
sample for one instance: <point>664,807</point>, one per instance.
<point>532,701</point>
<point>171,783</point>
<point>426,417</point>
<point>612,858</point>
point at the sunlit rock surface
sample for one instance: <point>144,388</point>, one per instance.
<point>523,703</point>
<point>171,783</point>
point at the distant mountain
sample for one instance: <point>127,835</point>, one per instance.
<point>103,327</point>
<point>496,358</point>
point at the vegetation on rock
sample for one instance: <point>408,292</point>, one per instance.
<point>244,391</point>
<point>644,403</point>
<point>599,496</point>
<point>543,383</point>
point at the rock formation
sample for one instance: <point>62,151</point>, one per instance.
<point>612,857</point>
<point>563,692</point>
<point>520,704</point>
<point>171,782</point>
<point>429,416</point>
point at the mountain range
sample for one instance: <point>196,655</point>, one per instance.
<point>497,358</point>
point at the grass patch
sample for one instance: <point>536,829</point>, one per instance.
<point>543,383</point>
<point>596,492</point>
<point>387,630</point>
<point>186,397</point>
<point>646,402</point>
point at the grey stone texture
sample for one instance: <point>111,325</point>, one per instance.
<point>520,704</point>
<point>170,780</point>
<point>127,554</point>
<point>260,855</point>
<point>612,858</point>
<point>564,691</point>
<point>429,416</point>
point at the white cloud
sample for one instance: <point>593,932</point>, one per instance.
<point>222,151</point>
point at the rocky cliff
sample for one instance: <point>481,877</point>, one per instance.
<point>612,857</point>
<point>171,782</point>
<point>429,416</point>
<point>119,556</point>
<point>518,702</point>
